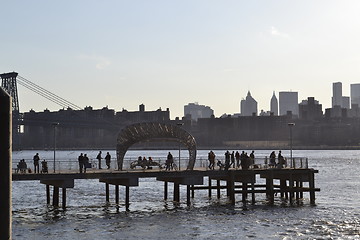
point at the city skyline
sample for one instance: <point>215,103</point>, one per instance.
<point>167,54</point>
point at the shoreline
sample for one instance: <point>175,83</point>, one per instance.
<point>202,148</point>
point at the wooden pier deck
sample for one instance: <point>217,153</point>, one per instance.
<point>292,183</point>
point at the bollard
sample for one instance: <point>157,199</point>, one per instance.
<point>5,164</point>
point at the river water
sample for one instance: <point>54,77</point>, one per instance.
<point>336,214</point>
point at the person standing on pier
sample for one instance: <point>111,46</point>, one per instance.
<point>81,162</point>
<point>36,159</point>
<point>281,161</point>
<point>85,162</point>
<point>169,161</point>
<point>237,157</point>
<point>227,160</point>
<point>252,157</point>
<point>272,159</point>
<point>211,158</point>
<point>232,156</point>
<point>108,160</point>
<point>98,157</point>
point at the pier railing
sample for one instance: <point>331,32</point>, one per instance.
<point>72,165</point>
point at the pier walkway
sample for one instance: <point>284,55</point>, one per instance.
<point>290,183</point>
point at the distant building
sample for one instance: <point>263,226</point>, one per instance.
<point>288,102</point>
<point>248,106</point>
<point>345,103</point>
<point>197,111</point>
<point>337,94</point>
<point>310,109</point>
<point>355,93</point>
<point>142,116</point>
<point>274,106</point>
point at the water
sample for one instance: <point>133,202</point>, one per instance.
<point>335,216</point>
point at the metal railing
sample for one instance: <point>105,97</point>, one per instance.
<point>72,165</point>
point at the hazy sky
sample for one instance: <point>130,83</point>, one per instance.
<point>170,53</point>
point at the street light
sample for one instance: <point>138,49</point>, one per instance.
<point>290,128</point>
<point>55,124</point>
<point>179,124</point>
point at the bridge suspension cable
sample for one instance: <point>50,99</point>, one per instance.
<point>46,94</point>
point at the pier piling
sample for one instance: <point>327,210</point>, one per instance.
<point>5,163</point>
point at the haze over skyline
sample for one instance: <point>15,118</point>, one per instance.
<point>167,54</point>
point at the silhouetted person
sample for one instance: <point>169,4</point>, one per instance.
<point>232,157</point>
<point>281,160</point>
<point>211,158</point>
<point>243,160</point>
<point>81,162</point>
<point>252,157</point>
<point>169,161</point>
<point>86,162</point>
<point>36,159</point>
<point>44,166</point>
<point>108,160</point>
<point>227,160</point>
<point>98,157</point>
<point>237,157</point>
<point>272,159</point>
<point>22,166</point>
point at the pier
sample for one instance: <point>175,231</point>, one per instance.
<point>289,184</point>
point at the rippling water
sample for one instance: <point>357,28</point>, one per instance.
<point>335,216</point>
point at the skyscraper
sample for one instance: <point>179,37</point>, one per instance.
<point>355,93</point>
<point>274,107</point>
<point>288,101</point>
<point>248,106</point>
<point>337,94</point>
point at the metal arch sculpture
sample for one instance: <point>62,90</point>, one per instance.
<point>149,130</point>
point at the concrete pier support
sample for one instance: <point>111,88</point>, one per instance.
<point>47,194</point>
<point>64,198</point>
<point>117,194</point>
<point>165,190</point>
<point>188,195</point>
<point>218,188</point>
<point>270,186</point>
<point>209,191</point>
<point>107,193</point>
<point>124,181</point>
<point>56,197</point>
<point>127,198</point>
<point>312,188</point>
<point>57,184</point>
<point>5,164</point>
<point>176,192</point>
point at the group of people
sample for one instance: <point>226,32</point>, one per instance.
<point>232,160</point>
<point>23,168</point>
<point>84,162</point>
<point>272,160</point>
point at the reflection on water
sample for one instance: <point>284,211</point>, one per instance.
<point>336,215</point>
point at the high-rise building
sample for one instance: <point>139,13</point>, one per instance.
<point>310,109</point>
<point>345,102</point>
<point>198,111</point>
<point>274,106</point>
<point>337,94</point>
<point>288,101</point>
<point>355,93</point>
<point>248,106</point>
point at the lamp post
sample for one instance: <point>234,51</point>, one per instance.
<point>55,124</point>
<point>290,128</point>
<point>179,124</point>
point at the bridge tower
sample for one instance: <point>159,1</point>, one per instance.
<point>9,84</point>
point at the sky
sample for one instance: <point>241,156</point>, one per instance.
<point>166,54</point>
